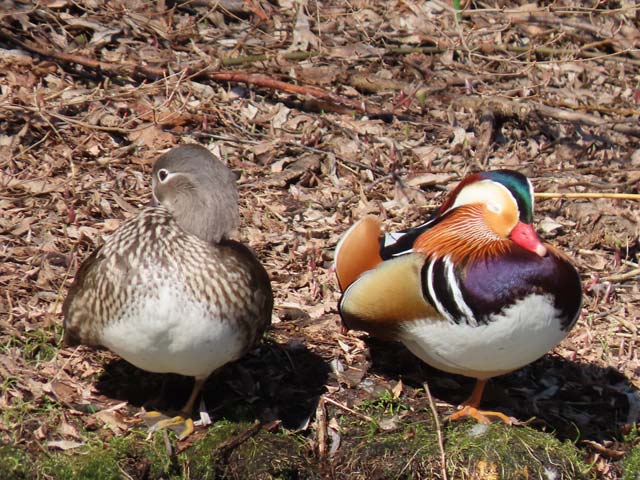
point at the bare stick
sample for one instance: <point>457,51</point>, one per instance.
<point>236,440</point>
<point>361,416</point>
<point>504,107</point>
<point>304,90</point>
<point>443,457</point>
<point>321,429</point>
<point>618,196</point>
<point>620,277</point>
<point>485,135</point>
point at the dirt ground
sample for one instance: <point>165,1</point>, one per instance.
<point>327,111</point>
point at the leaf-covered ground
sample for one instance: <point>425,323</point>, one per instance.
<point>336,110</point>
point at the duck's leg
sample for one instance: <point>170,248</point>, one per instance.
<point>469,408</point>
<point>182,423</point>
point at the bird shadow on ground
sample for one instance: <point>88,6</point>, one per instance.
<point>577,401</point>
<point>274,382</point>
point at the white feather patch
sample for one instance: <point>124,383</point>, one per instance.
<point>166,331</point>
<point>521,334</point>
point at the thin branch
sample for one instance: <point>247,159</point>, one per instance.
<point>239,439</point>
<point>295,56</point>
<point>541,51</point>
<point>321,428</point>
<point>608,36</point>
<point>507,108</point>
<point>124,68</point>
<point>443,457</point>
<point>304,90</point>
<point>553,20</point>
<point>617,196</point>
<point>361,416</point>
<point>485,133</point>
<point>620,277</point>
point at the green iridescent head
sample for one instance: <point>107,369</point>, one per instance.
<point>519,186</point>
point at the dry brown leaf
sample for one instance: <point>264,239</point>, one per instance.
<point>113,421</point>
<point>33,186</point>
<point>152,137</point>
<point>64,444</point>
<point>67,430</point>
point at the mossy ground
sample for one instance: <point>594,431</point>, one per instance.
<point>263,455</point>
<point>408,450</point>
<point>631,468</point>
<point>493,451</point>
<point>399,441</point>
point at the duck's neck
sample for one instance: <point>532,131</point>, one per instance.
<point>211,223</point>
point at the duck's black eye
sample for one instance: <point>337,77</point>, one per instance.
<point>163,174</point>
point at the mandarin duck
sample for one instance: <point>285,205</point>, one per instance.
<point>169,291</point>
<point>472,291</point>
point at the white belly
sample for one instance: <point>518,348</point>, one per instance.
<point>526,331</point>
<point>166,333</point>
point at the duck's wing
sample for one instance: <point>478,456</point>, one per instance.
<point>248,282</point>
<point>82,314</point>
<point>383,298</point>
<point>363,247</point>
<point>358,251</point>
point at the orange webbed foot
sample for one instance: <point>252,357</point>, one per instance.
<point>469,408</point>
<point>481,416</point>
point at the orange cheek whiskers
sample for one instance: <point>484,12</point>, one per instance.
<point>464,237</point>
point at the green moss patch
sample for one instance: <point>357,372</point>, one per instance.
<point>129,457</point>
<point>264,455</point>
<point>500,451</point>
<point>410,448</point>
<point>631,468</point>
<point>14,464</point>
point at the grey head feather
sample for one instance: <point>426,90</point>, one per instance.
<point>198,190</point>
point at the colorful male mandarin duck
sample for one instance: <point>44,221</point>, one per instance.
<point>169,291</point>
<point>473,291</point>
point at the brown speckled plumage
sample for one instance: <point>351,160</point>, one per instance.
<point>226,276</point>
<point>174,263</point>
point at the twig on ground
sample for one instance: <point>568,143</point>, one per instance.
<point>600,108</point>
<point>619,277</point>
<point>361,416</point>
<point>485,132</point>
<point>443,457</point>
<point>532,50</point>
<point>609,37</point>
<point>566,115</point>
<point>616,196</point>
<point>303,90</point>
<point>321,428</point>
<point>245,59</point>
<point>236,440</point>
<point>124,68</point>
<point>552,20</point>
<point>522,110</point>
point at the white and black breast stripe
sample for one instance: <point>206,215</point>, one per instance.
<point>431,294</point>
<point>441,289</point>
<point>467,314</point>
